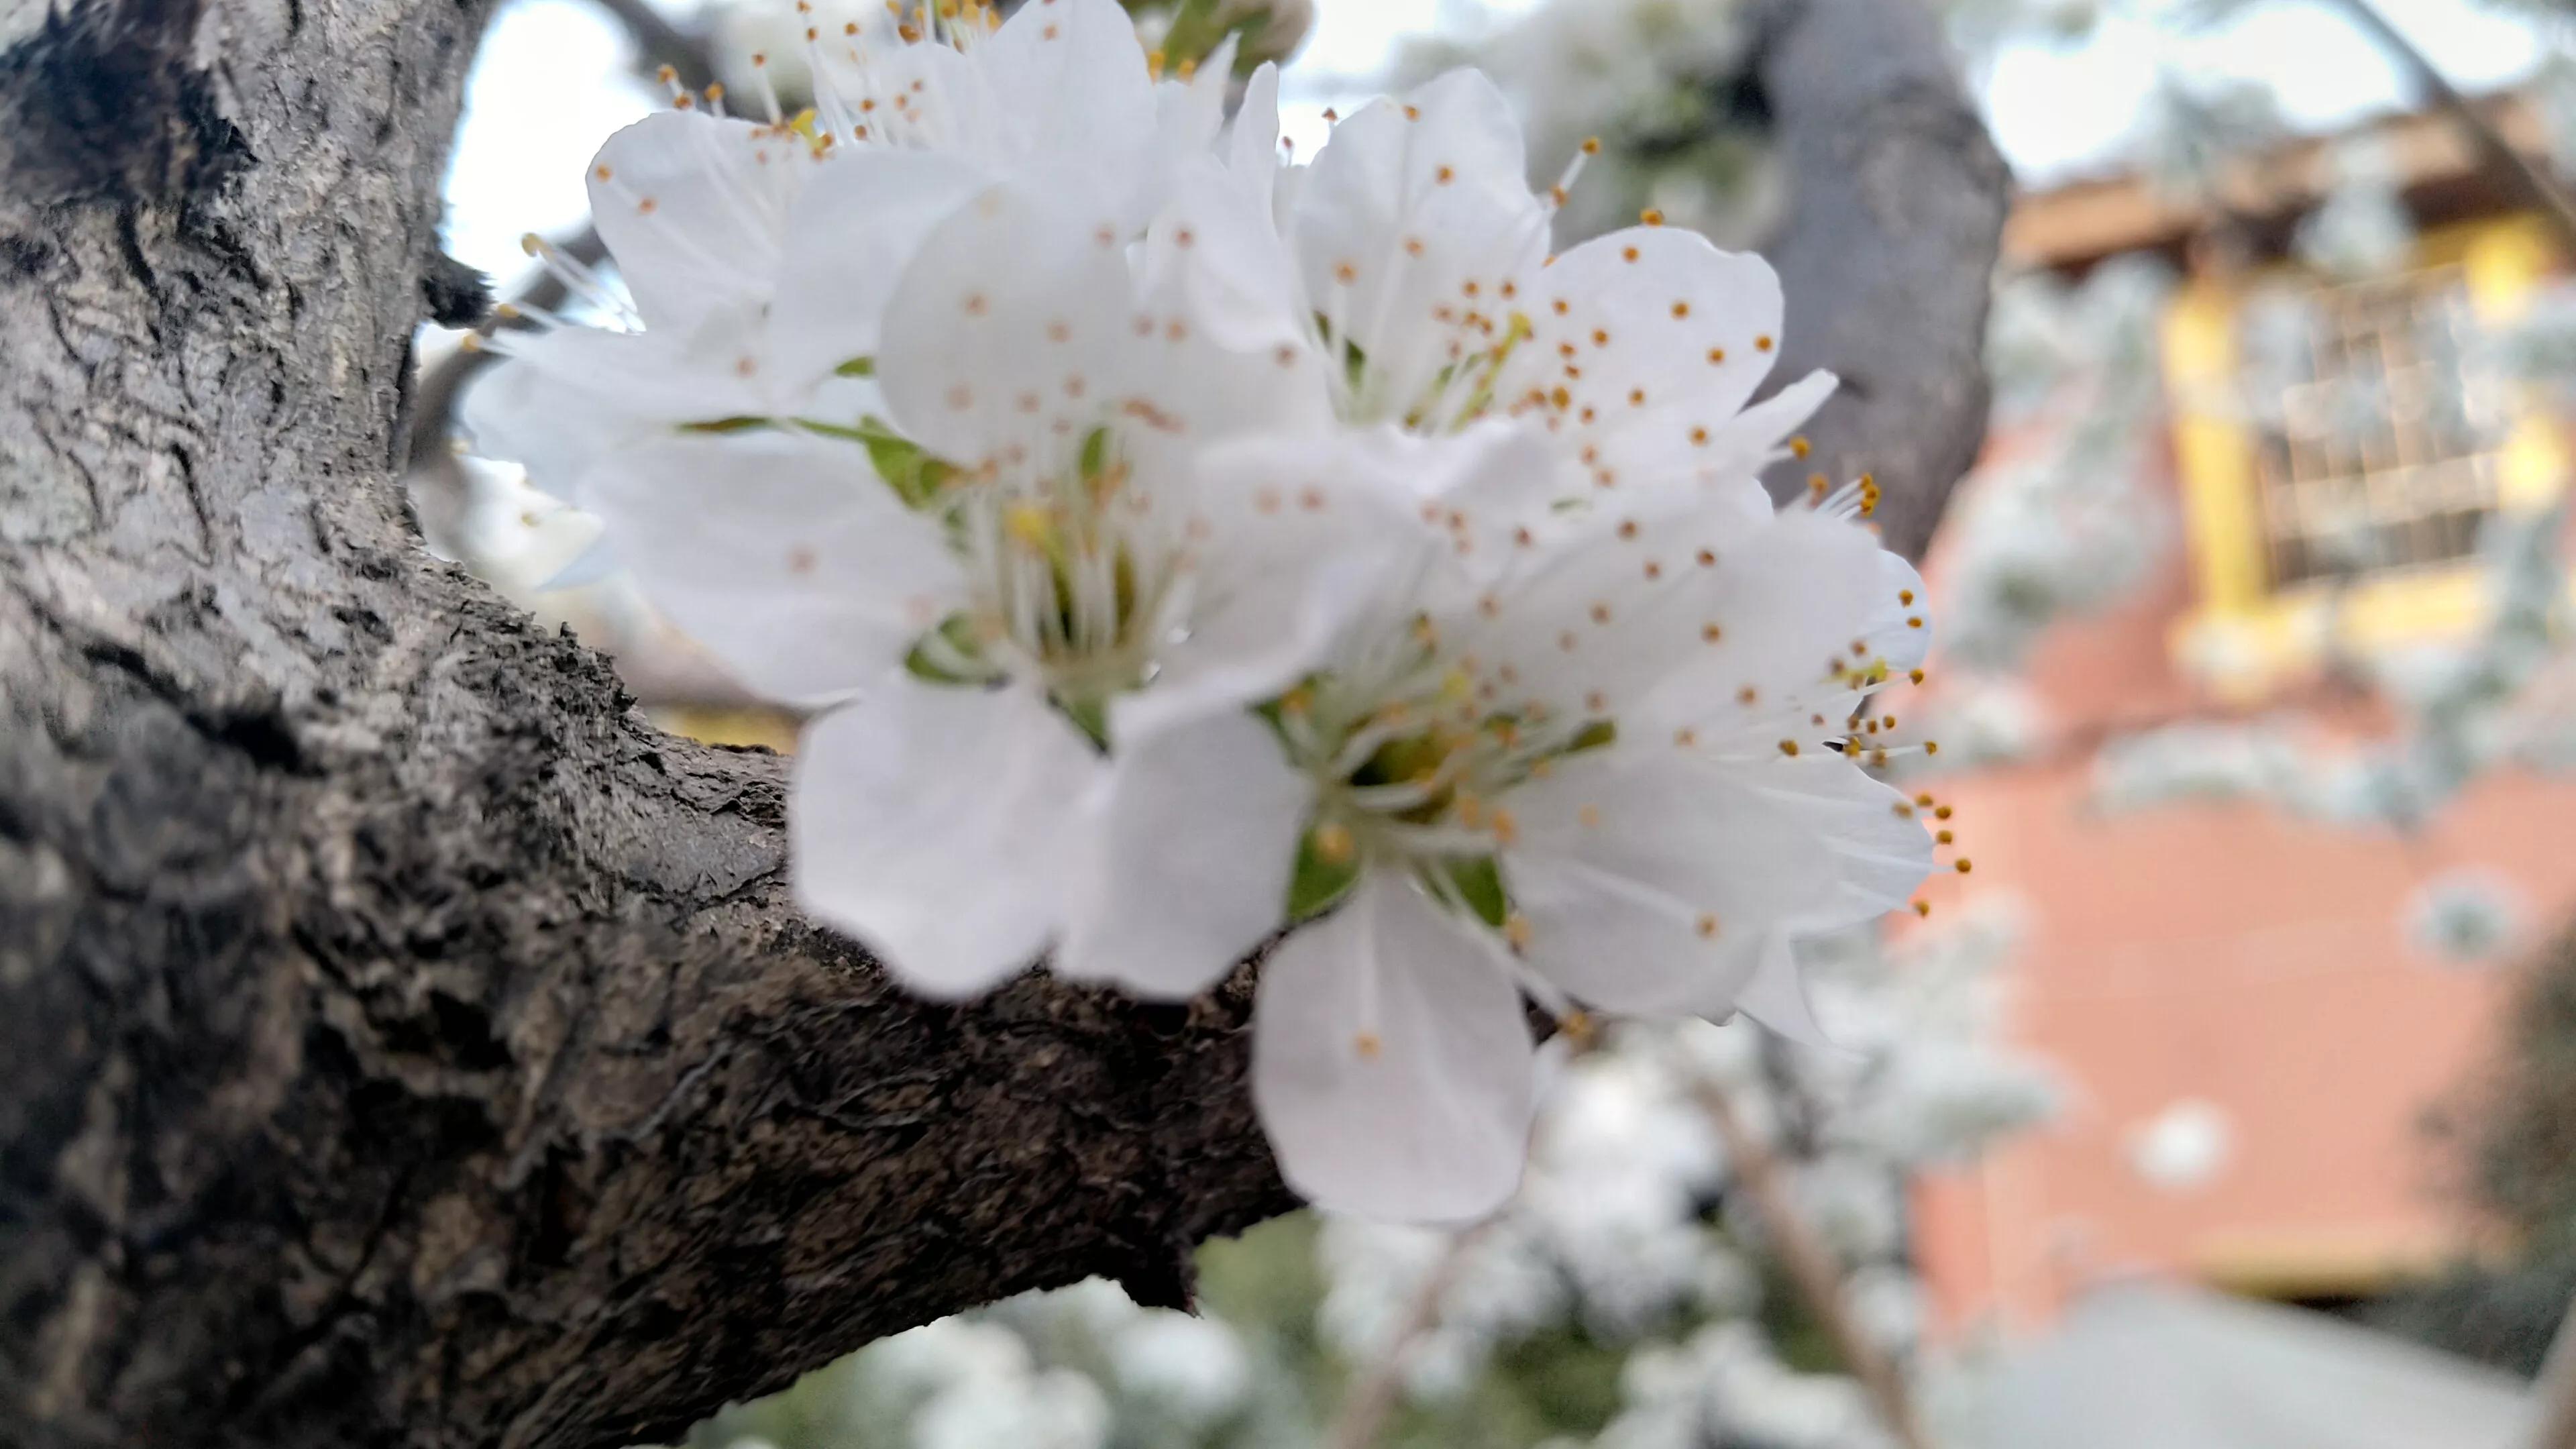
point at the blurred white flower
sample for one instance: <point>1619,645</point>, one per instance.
<point>2183,1147</point>
<point>1051,1409</point>
<point>2364,228</point>
<point>1194,1366</point>
<point>2470,916</point>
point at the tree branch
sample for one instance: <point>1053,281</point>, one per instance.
<point>1813,1273</point>
<point>402,1044</point>
<point>1896,210</point>
<point>2526,177</point>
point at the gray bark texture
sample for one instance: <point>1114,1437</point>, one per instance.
<point>401,1043</point>
<point>1897,201</point>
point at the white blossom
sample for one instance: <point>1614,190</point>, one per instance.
<point>2183,1147</point>
<point>760,255</point>
<point>1601,770</point>
<point>1174,548</point>
<point>2468,916</point>
<point>1426,258</point>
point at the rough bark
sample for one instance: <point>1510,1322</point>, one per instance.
<point>402,1044</point>
<point>1897,201</point>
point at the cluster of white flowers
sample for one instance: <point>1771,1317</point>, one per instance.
<point>1613,1232</point>
<point>2497,700</point>
<point>1078,1368</point>
<point>1627,1236</point>
<point>1177,546</point>
<point>1661,82</point>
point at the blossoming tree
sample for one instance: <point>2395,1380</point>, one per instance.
<point>407,1045</point>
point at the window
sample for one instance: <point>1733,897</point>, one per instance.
<point>2378,445</point>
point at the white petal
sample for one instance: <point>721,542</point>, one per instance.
<point>1415,205</point>
<point>1233,273</point>
<point>693,208</point>
<point>1650,877</point>
<point>785,555</point>
<point>928,96</point>
<point>858,224</point>
<point>563,398</point>
<point>1899,630</point>
<point>1193,836</point>
<point>930,823</point>
<point>1666,332</point>
<point>1791,601</point>
<point>1303,538</point>
<point>1189,117</point>
<point>1252,146</point>
<point>1618,607</point>
<point>1009,329</point>
<point>1391,1063</point>
<point>1876,848</point>
<point>1777,997</point>
<point>1754,438</point>
<point>1074,81</point>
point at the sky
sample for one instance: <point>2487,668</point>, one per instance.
<point>553,81</point>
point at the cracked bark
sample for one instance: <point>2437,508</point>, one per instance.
<point>402,1044</point>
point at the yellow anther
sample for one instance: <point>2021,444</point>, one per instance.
<point>1031,524</point>
<point>1334,844</point>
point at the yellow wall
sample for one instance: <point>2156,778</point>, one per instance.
<point>2244,636</point>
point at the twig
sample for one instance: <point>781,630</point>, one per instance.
<point>1811,1268</point>
<point>1365,1407</point>
<point>442,382</point>
<point>2515,169</point>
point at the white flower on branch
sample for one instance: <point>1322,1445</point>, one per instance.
<point>1426,258</point>
<point>1604,770</point>
<point>1177,548</point>
<point>760,255</point>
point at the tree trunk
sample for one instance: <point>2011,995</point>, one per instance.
<point>401,1043</point>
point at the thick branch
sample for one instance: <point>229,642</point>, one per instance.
<point>1896,209</point>
<point>400,1043</point>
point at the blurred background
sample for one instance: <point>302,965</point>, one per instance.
<point>2230,1099</point>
